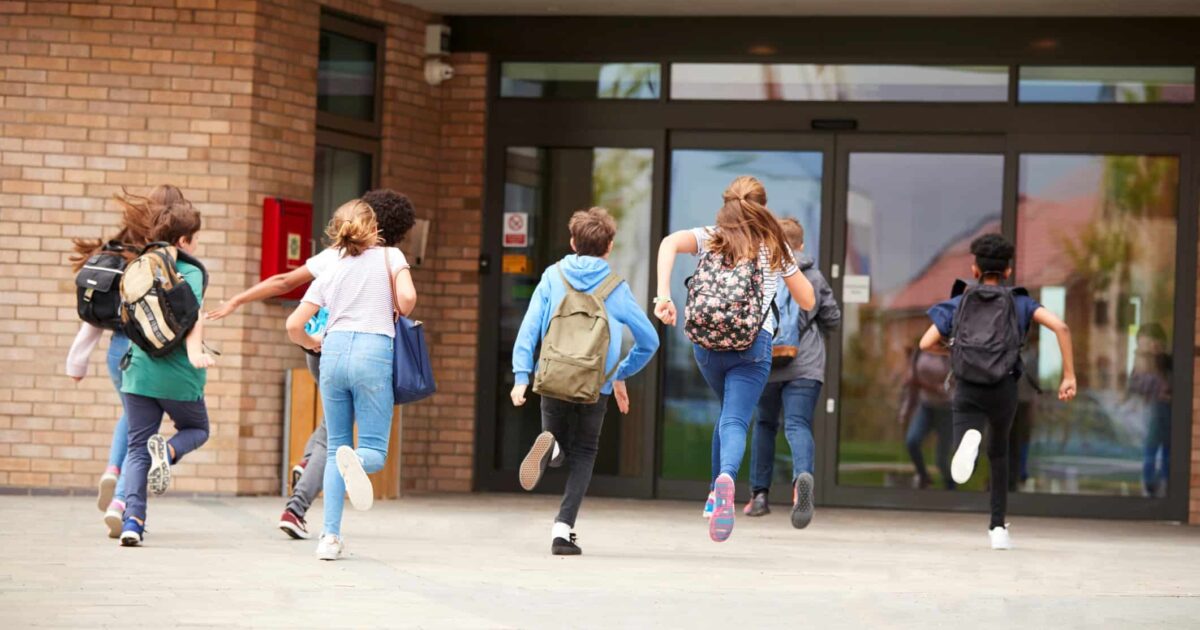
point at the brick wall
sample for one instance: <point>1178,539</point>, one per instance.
<point>218,97</point>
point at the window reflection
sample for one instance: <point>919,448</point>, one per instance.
<point>346,76</point>
<point>1096,244</point>
<point>339,176</point>
<point>910,220</point>
<point>1107,84</point>
<point>817,82</point>
<point>580,80</point>
<point>698,178</point>
<point>548,185</point>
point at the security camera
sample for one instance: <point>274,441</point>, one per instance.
<point>437,71</point>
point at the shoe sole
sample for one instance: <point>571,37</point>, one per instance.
<point>534,464</point>
<point>963,464</point>
<point>720,526</point>
<point>358,485</point>
<point>802,511</point>
<point>159,475</point>
<point>108,487</point>
<point>292,531</point>
<point>132,540</point>
<point>113,521</point>
<point>565,551</point>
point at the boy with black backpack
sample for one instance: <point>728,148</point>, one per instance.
<point>982,327</point>
<point>577,313</point>
<point>162,291</point>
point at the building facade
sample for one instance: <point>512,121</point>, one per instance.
<point>894,141</point>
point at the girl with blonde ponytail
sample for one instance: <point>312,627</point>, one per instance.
<point>362,291</point>
<point>730,320</point>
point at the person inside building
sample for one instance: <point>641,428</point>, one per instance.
<point>395,217</point>
<point>925,408</point>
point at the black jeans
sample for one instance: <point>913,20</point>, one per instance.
<point>576,428</point>
<point>145,419</point>
<point>993,407</point>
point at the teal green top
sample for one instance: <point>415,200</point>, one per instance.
<point>172,377</point>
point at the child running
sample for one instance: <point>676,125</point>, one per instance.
<point>395,216</point>
<point>729,319</point>
<point>982,327</point>
<point>793,386</point>
<point>171,384</point>
<point>362,291</point>
<point>564,316</point>
<point>136,215</point>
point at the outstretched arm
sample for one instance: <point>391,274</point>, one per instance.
<point>276,285</point>
<point>681,242</point>
<point>1043,317</point>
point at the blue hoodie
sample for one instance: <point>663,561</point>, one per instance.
<point>585,273</point>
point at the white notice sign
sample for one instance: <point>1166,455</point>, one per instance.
<point>516,229</point>
<point>856,289</point>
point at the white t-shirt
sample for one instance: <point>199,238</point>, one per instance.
<point>770,276</point>
<point>357,292</point>
<point>320,263</point>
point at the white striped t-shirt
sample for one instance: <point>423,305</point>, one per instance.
<point>357,292</point>
<point>770,276</point>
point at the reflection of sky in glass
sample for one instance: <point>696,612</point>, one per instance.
<point>915,205</point>
<point>580,80</point>
<point>1070,84</point>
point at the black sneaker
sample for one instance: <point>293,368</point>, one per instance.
<point>535,462</point>
<point>758,505</point>
<point>563,547</point>
<point>802,501</point>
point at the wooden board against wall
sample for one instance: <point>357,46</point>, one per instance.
<point>306,415</point>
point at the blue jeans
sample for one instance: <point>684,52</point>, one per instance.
<point>1158,438</point>
<point>929,419</point>
<point>117,347</point>
<point>798,400</point>
<point>356,385</point>
<point>737,378</point>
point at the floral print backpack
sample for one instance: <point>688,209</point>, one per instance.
<point>725,303</point>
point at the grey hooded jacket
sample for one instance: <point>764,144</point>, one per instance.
<point>810,354</point>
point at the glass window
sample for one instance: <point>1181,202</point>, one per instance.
<point>340,175</point>
<point>1107,84</point>
<point>346,76</point>
<point>545,186</point>
<point>814,82</point>
<point>1096,245</point>
<point>580,80</point>
<point>698,178</point>
<point>910,220</point>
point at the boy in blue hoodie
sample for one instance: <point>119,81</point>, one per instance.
<point>592,233</point>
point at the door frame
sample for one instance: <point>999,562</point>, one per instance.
<point>742,141</point>
<point>487,475</point>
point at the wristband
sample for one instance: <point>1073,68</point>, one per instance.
<point>662,300</point>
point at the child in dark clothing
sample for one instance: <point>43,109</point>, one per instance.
<point>978,405</point>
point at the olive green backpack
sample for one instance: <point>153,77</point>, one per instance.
<point>575,348</point>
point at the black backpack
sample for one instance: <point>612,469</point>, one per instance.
<point>985,338</point>
<point>98,287</point>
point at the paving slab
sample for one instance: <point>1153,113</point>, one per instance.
<point>483,561</point>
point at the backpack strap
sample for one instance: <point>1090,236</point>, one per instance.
<point>195,262</point>
<point>607,286</point>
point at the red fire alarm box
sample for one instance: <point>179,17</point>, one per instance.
<point>287,238</point>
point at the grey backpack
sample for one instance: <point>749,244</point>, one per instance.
<point>985,339</point>
<point>575,348</point>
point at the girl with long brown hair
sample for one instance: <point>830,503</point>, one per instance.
<point>138,215</point>
<point>730,319</point>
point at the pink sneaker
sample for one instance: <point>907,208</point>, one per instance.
<point>113,518</point>
<point>108,486</point>
<point>720,526</point>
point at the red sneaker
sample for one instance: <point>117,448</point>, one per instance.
<point>293,525</point>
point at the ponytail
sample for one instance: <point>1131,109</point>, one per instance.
<point>744,225</point>
<point>358,230</point>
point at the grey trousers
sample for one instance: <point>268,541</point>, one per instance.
<point>576,428</point>
<point>313,477</point>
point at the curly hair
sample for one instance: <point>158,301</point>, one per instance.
<point>993,253</point>
<point>393,211</point>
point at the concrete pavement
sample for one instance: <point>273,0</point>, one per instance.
<point>482,561</point>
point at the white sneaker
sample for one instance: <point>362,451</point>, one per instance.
<point>114,519</point>
<point>108,486</point>
<point>358,485</point>
<point>330,547</point>
<point>1000,538</point>
<point>963,464</point>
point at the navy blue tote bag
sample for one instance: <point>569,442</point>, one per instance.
<point>412,372</point>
